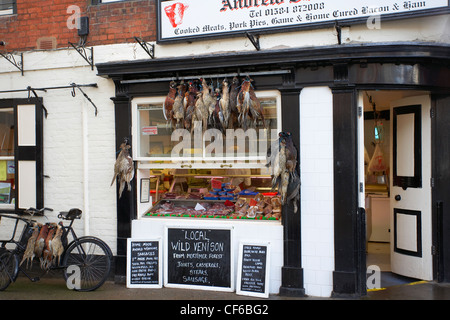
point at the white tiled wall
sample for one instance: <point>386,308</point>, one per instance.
<point>317,202</point>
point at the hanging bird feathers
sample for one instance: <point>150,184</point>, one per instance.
<point>224,104</point>
<point>209,101</point>
<point>57,246</point>
<point>282,158</point>
<point>40,241</point>
<point>29,253</point>
<point>168,102</point>
<point>47,256</point>
<point>123,168</point>
<point>178,106</point>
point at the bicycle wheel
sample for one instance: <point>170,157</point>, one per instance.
<point>87,264</point>
<point>9,268</point>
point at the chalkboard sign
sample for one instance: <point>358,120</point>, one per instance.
<point>201,258</point>
<point>253,269</point>
<point>144,264</point>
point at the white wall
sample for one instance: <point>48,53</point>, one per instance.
<point>66,156</point>
<point>63,129</point>
<point>317,200</point>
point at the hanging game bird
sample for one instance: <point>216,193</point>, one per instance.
<point>29,253</point>
<point>224,103</point>
<point>178,106</point>
<point>168,102</point>
<point>248,105</point>
<point>282,157</point>
<point>57,246</point>
<point>40,241</point>
<point>47,256</point>
<point>123,168</point>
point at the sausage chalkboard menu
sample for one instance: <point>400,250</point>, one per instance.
<point>143,264</point>
<point>253,270</point>
<point>199,257</point>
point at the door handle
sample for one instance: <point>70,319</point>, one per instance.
<point>398,197</point>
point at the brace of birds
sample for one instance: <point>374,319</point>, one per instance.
<point>44,244</point>
<point>222,106</point>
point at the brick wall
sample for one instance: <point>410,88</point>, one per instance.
<point>43,24</point>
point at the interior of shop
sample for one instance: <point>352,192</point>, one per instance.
<point>197,167</point>
<point>377,161</point>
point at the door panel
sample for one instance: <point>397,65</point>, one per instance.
<point>28,156</point>
<point>410,188</point>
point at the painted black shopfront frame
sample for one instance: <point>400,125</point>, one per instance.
<point>346,70</point>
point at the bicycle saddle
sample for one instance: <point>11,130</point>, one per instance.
<point>72,214</point>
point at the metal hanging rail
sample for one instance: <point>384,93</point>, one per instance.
<point>235,74</point>
<point>72,86</point>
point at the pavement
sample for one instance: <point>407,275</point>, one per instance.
<point>54,288</point>
<point>110,299</point>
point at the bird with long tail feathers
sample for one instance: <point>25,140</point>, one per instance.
<point>282,158</point>
<point>124,168</point>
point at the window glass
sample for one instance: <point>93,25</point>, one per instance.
<point>158,139</point>
<point>7,167</point>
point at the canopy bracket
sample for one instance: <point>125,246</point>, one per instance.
<point>10,57</point>
<point>149,48</point>
<point>81,49</point>
<point>254,40</point>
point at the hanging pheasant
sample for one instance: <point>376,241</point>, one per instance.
<point>282,158</point>
<point>124,168</point>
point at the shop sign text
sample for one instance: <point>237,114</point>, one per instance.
<point>181,19</point>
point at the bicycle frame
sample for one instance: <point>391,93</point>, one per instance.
<point>12,239</point>
<point>77,246</point>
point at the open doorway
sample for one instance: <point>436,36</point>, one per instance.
<point>398,228</point>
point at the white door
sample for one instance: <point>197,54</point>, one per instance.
<point>410,177</point>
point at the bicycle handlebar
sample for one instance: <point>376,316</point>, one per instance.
<point>32,211</point>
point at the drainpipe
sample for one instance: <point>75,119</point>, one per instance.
<point>85,171</point>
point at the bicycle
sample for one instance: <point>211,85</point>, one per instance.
<point>85,260</point>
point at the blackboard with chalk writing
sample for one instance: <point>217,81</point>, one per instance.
<point>253,269</point>
<point>144,264</point>
<point>199,257</point>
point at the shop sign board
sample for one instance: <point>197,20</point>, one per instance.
<point>190,19</point>
<point>144,268</point>
<point>199,258</point>
<point>253,269</point>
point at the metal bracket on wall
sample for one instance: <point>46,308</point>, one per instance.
<point>30,89</point>
<point>254,40</point>
<point>10,57</point>
<point>72,86</point>
<point>149,48</point>
<point>338,29</point>
<point>81,49</point>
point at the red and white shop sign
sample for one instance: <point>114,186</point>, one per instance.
<point>150,131</point>
<point>186,19</point>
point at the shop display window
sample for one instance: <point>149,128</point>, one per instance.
<point>159,142</point>
<point>205,169</point>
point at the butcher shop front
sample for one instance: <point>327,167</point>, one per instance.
<point>205,191</point>
<point>202,172</point>
<point>247,166</point>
